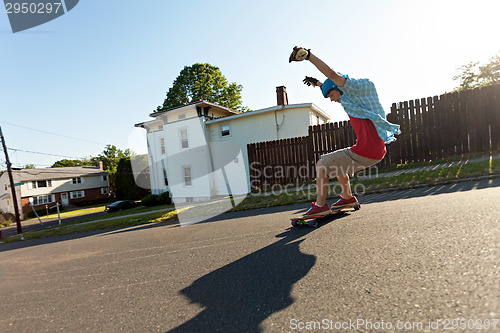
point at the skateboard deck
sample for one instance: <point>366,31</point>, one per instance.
<point>313,221</point>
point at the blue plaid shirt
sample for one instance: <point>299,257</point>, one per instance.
<point>360,100</point>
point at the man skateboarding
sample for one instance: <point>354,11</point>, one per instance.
<point>360,101</point>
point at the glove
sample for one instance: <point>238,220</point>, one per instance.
<point>310,80</point>
<point>299,54</point>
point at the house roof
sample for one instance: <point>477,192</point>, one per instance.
<point>237,114</point>
<point>56,173</point>
<point>195,103</point>
<point>274,108</point>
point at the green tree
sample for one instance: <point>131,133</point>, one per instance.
<point>126,185</point>
<point>490,73</point>
<point>473,75</point>
<point>206,82</point>
<point>72,163</point>
<point>110,158</point>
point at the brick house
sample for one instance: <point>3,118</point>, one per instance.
<point>67,186</point>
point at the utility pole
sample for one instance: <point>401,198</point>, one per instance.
<point>12,187</point>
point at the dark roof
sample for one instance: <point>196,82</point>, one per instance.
<point>198,102</point>
<point>57,173</point>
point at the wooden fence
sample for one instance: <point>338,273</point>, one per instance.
<point>432,128</point>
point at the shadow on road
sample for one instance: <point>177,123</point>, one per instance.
<point>240,296</point>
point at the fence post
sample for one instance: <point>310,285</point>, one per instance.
<point>310,155</point>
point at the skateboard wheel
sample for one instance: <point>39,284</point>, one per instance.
<point>294,223</point>
<point>312,223</point>
<point>357,207</point>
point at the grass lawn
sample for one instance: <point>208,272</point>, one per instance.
<point>72,212</point>
<point>96,225</point>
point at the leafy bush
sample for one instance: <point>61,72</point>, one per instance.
<point>5,223</point>
<point>150,200</point>
<point>164,198</point>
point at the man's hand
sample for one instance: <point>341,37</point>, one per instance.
<point>299,54</point>
<point>311,81</point>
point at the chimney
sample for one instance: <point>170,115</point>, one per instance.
<point>281,94</point>
<point>100,165</point>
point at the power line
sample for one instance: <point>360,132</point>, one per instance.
<point>40,153</point>
<point>55,134</point>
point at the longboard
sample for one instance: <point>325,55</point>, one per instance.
<point>313,221</point>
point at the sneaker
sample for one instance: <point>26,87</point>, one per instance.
<point>343,203</point>
<point>316,211</point>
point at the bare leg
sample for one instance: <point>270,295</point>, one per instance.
<point>321,184</point>
<point>346,186</point>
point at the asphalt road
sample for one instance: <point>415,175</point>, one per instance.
<point>407,261</point>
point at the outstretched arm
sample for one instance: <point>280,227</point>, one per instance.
<point>327,70</point>
<point>300,54</point>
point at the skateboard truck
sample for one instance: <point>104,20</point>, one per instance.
<point>313,221</point>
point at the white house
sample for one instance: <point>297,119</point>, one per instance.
<point>41,187</point>
<point>199,151</point>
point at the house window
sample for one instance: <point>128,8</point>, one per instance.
<point>43,183</point>
<point>187,176</point>
<point>104,178</point>
<point>39,184</point>
<point>162,146</point>
<point>104,190</point>
<point>225,131</point>
<point>42,200</point>
<point>76,194</point>
<point>184,137</point>
<point>77,180</point>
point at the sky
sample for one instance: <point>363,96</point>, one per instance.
<point>73,85</point>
